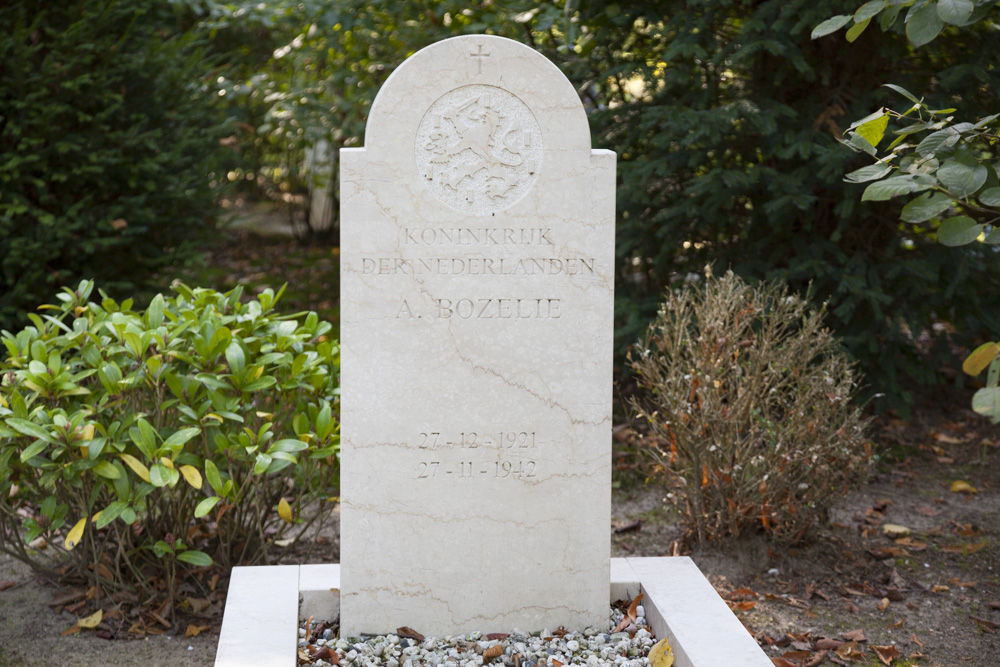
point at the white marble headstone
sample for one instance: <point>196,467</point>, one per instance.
<point>477,250</point>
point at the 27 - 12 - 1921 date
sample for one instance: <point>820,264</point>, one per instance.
<point>475,440</point>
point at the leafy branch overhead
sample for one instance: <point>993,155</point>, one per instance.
<point>949,168</point>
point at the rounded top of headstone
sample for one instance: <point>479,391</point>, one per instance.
<point>476,116</point>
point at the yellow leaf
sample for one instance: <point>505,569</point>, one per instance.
<point>192,476</point>
<point>285,511</point>
<point>893,531</point>
<point>959,486</point>
<point>167,462</point>
<point>195,630</point>
<point>661,655</point>
<point>75,535</point>
<point>91,621</point>
<point>3,402</point>
<point>87,433</point>
<point>980,358</point>
<point>213,416</point>
<point>137,467</point>
<point>265,415</point>
<point>97,516</point>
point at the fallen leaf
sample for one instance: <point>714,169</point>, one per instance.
<point>199,604</point>
<point>622,624</point>
<point>854,636</point>
<point>886,653</point>
<point>964,549</point>
<point>7,583</point>
<point>955,581</point>
<point>70,631</point>
<point>985,624</point>
<point>746,605</point>
<point>556,663</point>
<point>629,527</point>
<point>898,624</point>
<point>498,635</point>
<point>966,529</point>
<point>782,662</point>
<point>883,604</point>
<point>916,640</point>
<point>893,531</point>
<point>948,440</point>
<point>825,643</point>
<point>661,655</point>
<point>91,621</point>
<point>961,486</point>
<point>493,651</point>
<point>916,655</point>
<point>850,651</point>
<point>195,630</point>
<point>632,607</point>
<point>927,510</point>
<point>798,656</point>
<point>409,633</point>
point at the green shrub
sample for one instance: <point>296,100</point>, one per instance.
<point>194,431</point>
<point>107,141</point>
<point>749,402</point>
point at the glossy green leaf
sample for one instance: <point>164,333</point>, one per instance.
<point>938,141</point>
<point>870,173</point>
<point>959,230</point>
<point>199,558</point>
<point>830,25</point>
<point>205,506</point>
<point>962,177</point>
<point>159,475</point>
<point>955,12</point>
<point>926,206</point>
<point>986,402</point>
<point>33,450</point>
<point>894,187</point>
<point>181,437</point>
<point>107,470</point>
<point>25,427</point>
<point>870,9</point>
<point>213,477</point>
<point>236,358</point>
<point>902,91</point>
<point>855,30</point>
<point>924,25</point>
<point>990,197</point>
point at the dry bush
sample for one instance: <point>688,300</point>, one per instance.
<point>749,403</point>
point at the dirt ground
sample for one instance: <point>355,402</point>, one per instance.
<point>928,594</point>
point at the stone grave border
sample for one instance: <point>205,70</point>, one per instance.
<point>260,625</point>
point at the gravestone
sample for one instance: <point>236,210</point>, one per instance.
<point>477,246</point>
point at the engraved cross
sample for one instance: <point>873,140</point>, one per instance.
<point>480,55</point>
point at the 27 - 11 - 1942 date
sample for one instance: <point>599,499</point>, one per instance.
<point>472,469</point>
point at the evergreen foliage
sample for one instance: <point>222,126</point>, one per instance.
<point>107,139</point>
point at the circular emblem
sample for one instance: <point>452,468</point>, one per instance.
<point>479,149</point>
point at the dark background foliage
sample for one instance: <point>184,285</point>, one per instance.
<point>107,139</point>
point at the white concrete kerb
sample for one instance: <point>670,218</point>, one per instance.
<point>260,626</point>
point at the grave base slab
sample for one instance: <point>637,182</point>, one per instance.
<point>260,625</point>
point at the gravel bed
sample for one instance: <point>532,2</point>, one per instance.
<point>629,647</point>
